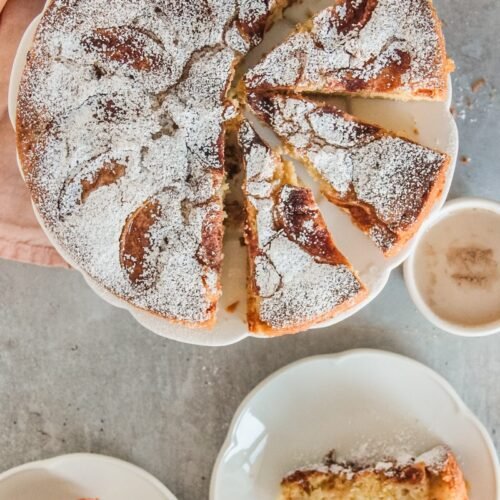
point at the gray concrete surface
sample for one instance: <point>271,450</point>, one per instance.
<point>78,375</point>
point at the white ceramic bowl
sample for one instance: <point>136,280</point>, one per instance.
<point>357,402</point>
<point>81,475</point>
<point>436,128</point>
<point>452,207</point>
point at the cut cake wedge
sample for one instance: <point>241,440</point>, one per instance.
<point>387,183</point>
<point>297,276</point>
<point>371,48</point>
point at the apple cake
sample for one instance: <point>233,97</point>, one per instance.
<point>122,114</point>
<point>387,183</point>
<point>297,276</point>
<point>435,475</point>
<point>372,48</point>
<point>120,129</point>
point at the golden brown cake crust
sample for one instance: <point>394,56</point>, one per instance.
<point>297,276</point>
<point>373,48</point>
<point>388,184</point>
<point>435,475</point>
<point>121,140</point>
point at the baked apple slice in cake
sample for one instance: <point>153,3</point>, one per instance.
<point>371,48</point>
<point>388,184</point>
<point>297,276</point>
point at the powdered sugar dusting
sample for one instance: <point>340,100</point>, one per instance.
<point>360,163</point>
<point>122,108</point>
<point>350,47</point>
<point>293,286</point>
<point>393,176</point>
<point>433,460</point>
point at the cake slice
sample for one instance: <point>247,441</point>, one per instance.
<point>388,184</point>
<point>372,48</point>
<point>435,475</point>
<point>297,277</point>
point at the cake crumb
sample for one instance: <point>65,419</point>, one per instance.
<point>232,307</point>
<point>478,84</point>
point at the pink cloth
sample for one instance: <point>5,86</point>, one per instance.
<point>21,237</point>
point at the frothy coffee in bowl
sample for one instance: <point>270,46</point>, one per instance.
<point>457,267</point>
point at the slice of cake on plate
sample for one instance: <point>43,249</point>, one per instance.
<point>297,276</point>
<point>435,475</point>
<point>373,48</point>
<point>388,184</point>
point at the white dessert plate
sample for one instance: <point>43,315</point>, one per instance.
<point>362,403</point>
<point>429,123</point>
<point>81,476</point>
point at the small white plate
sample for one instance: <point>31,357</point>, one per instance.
<point>429,123</point>
<point>78,476</point>
<point>359,402</point>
